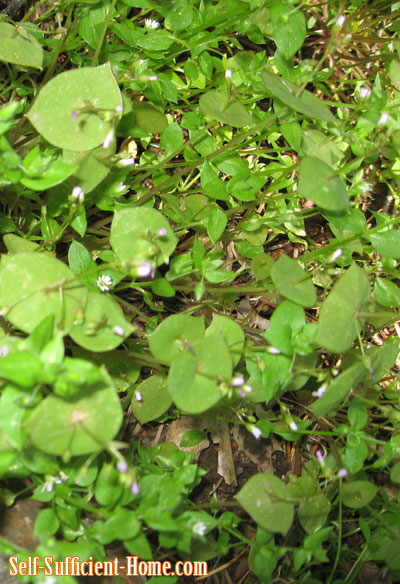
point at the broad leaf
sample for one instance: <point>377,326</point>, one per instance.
<point>69,110</point>
<point>35,285</point>
<point>263,499</point>
<point>218,105</point>
<point>79,425</point>
<point>150,399</point>
<point>339,322</point>
<point>320,183</point>
<point>17,46</point>
<point>293,282</point>
<point>358,494</point>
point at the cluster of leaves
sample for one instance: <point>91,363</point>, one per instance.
<point>151,153</point>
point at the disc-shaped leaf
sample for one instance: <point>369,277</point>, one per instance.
<point>34,285</point>
<point>91,170</point>
<point>174,334</point>
<point>151,399</point>
<point>217,105</point>
<point>148,118</point>
<point>387,243</point>
<point>320,183</point>
<point>262,498</point>
<point>358,494</point>
<point>17,46</point>
<point>231,332</point>
<point>307,103</point>
<point>69,110</point>
<point>339,322</point>
<point>293,282</point>
<point>195,373</point>
<point>313,512</point>
<point>135,236</point>
<point>104,326</point>
<point>79,425</point>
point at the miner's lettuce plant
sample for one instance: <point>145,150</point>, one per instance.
<point>155,161</point>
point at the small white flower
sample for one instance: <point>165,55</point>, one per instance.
<point>273,351</point>
<point>342,473</point>
<point>320,392</point>
<point>126,161</point>
<point>77,195</point>
<point>341,20</point>
<point>293,426</point>
<point>145,269</point>
<point>383,119</point>
<point>108,139</point>
<point>135,490</point>
<point>238,381</point>
<point>162,232</point>
<point>118,330</point>
<point>150,23</point>
<point>336,254</point>
<point>256,432</point>
<point>4,351</point>
<point>138,396</point>
<point>119,109</point>
<point>320,456</point>
<point>122,466</point>
<point>365,92</point>
<point>248,388</point>
<point>104,283</point>
<point>199,528</point>
<point>228,74</point>
<point>51,481</point>
<point>120,188</point>
<point>153,78</point>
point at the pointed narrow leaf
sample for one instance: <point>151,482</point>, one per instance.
<point>339,322</point>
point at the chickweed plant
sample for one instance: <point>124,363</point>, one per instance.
<point>161,164</point>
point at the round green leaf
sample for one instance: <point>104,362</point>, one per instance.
<point>395,473</point>
<point>150,399</point>
<point>262,498</point>
<point>231,332</point>
<point>46,523</point>
<point>69,110</point>
<point>217,105</point>
<point>35,285</point>
<point>19,47</point>
<point>78,425</point>
<point>195,372</point>
<point>386,292</point>
<point>358,494</point>
<point>149,118</point>
<point>313,512</point>
<point>104,326</point>
<point>91,170</point>
<point>387,243</point>
<point>174,334</point>
<point>293,282</point>
<point>320,183</point>
<point>135,238</point>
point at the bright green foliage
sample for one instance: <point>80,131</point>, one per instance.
<point>339,322</point>
<point>17,46</point>
<point>264,498</point>
<point>293,282</point>
<point>135,236</point>
<point>200,208</point>
<point>69,110</point>
<point>33,285</point>
<point>79,425</point>
<point>320,183</point>
<point>103,326</point>
<point>150,399</point>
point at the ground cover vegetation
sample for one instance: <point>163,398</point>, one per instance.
<point>199,220</point>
